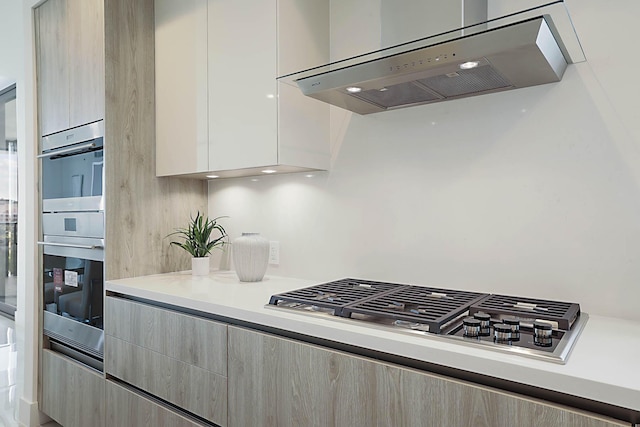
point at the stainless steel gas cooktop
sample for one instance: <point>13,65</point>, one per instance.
<point>529,327</point>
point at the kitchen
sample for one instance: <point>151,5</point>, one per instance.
<point>526,192</point>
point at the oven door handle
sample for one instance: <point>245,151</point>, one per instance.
<point>67,150</point>
<point>68,245</point>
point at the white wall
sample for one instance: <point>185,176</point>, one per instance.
<point>532,192</point>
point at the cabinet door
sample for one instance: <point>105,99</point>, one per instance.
<point>303,35</point>
<point>52,67</point>
<point>177,357</point>
<point>181,87</point>
<point>86,61</point>
<point>72,394</point>
<point>280,382</point>
<point>242,84</point>
<point>193,389</point>
<point>165,331</point>
<point>126,408</point>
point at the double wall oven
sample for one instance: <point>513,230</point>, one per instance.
<point>73,241</point>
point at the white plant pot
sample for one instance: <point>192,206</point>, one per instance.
<point>250,254</point>
<point>200,266</point>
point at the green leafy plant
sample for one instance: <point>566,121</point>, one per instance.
<point>197,237</point>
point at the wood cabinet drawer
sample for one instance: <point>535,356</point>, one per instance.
<point>194,389</point>
<point>72,394</point>
<point>317,386</point>
<point>193,340</point>
<point>130,409</point>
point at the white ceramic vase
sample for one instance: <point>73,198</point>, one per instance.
<point>200,266</point>
<point>250,254</point>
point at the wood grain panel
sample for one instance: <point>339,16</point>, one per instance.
<point>193,340</point>
<point>52,69</point>
<point>72,394</point>
<point>196,390</point>
<point>86,61</point>
<point>280,382</point>
<point>140,208</point>
<point>129,409</point>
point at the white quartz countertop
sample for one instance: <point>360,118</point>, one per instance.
<point>603,365</point>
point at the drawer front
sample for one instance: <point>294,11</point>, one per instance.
<point>72,394</point>
<point>126,408</point>
<point>190,339</point>
<point>187,386</point>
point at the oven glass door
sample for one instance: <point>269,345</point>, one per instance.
<point>72,293</point>
<point>73,170</point>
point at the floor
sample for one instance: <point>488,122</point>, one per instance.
<point>8,375</point>
<point>8,372</point>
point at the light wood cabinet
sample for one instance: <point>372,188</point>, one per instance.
<point>190,339</point>
<point>86,61</point>
<point>130,409</point>
<point>70,63</point>
<point>217,62</point>
<point>179,358</point>
<point>101,52</point>
<point>72,394</point>
<point>281,382</point>
<point>196,390</point>
<point>52,68</point>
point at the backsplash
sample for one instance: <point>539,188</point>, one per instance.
<point>531,192</point>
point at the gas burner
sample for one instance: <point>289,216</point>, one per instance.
<point>531,327</point>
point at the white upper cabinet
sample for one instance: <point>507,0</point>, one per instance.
<point>220,108</point>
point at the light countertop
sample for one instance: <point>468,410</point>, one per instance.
<point>603,365</point>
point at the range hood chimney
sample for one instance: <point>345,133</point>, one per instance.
<point>519,54</point>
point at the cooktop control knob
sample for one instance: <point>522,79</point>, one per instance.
<point>471,327</point>
<point>502,333</point>
<point>542,334</point>
<point>514,324</point>
<point>485,323</point>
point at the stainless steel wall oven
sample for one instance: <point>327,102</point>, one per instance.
<point>73,241</point>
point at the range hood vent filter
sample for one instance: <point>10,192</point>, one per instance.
<point>396,95</point>
<point>463,82</point>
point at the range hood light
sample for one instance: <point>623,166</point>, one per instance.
<point>269,171</point>
<point>212,176</point>
<point>354,89</point>
<point>469,65</point>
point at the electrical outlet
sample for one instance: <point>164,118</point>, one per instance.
<point>274,252</point>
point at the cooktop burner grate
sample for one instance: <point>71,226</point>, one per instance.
<point>335,295</point>
<point>417,304</point>
<point>421,310</point>
<point>564,313</point>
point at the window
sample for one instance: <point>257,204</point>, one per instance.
<point>8,199</point>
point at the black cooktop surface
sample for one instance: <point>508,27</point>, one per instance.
<point>433,307</point>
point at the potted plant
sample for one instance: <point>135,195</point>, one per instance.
<point>198,241</point>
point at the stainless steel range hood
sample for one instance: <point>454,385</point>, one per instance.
<point>500,55</point>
